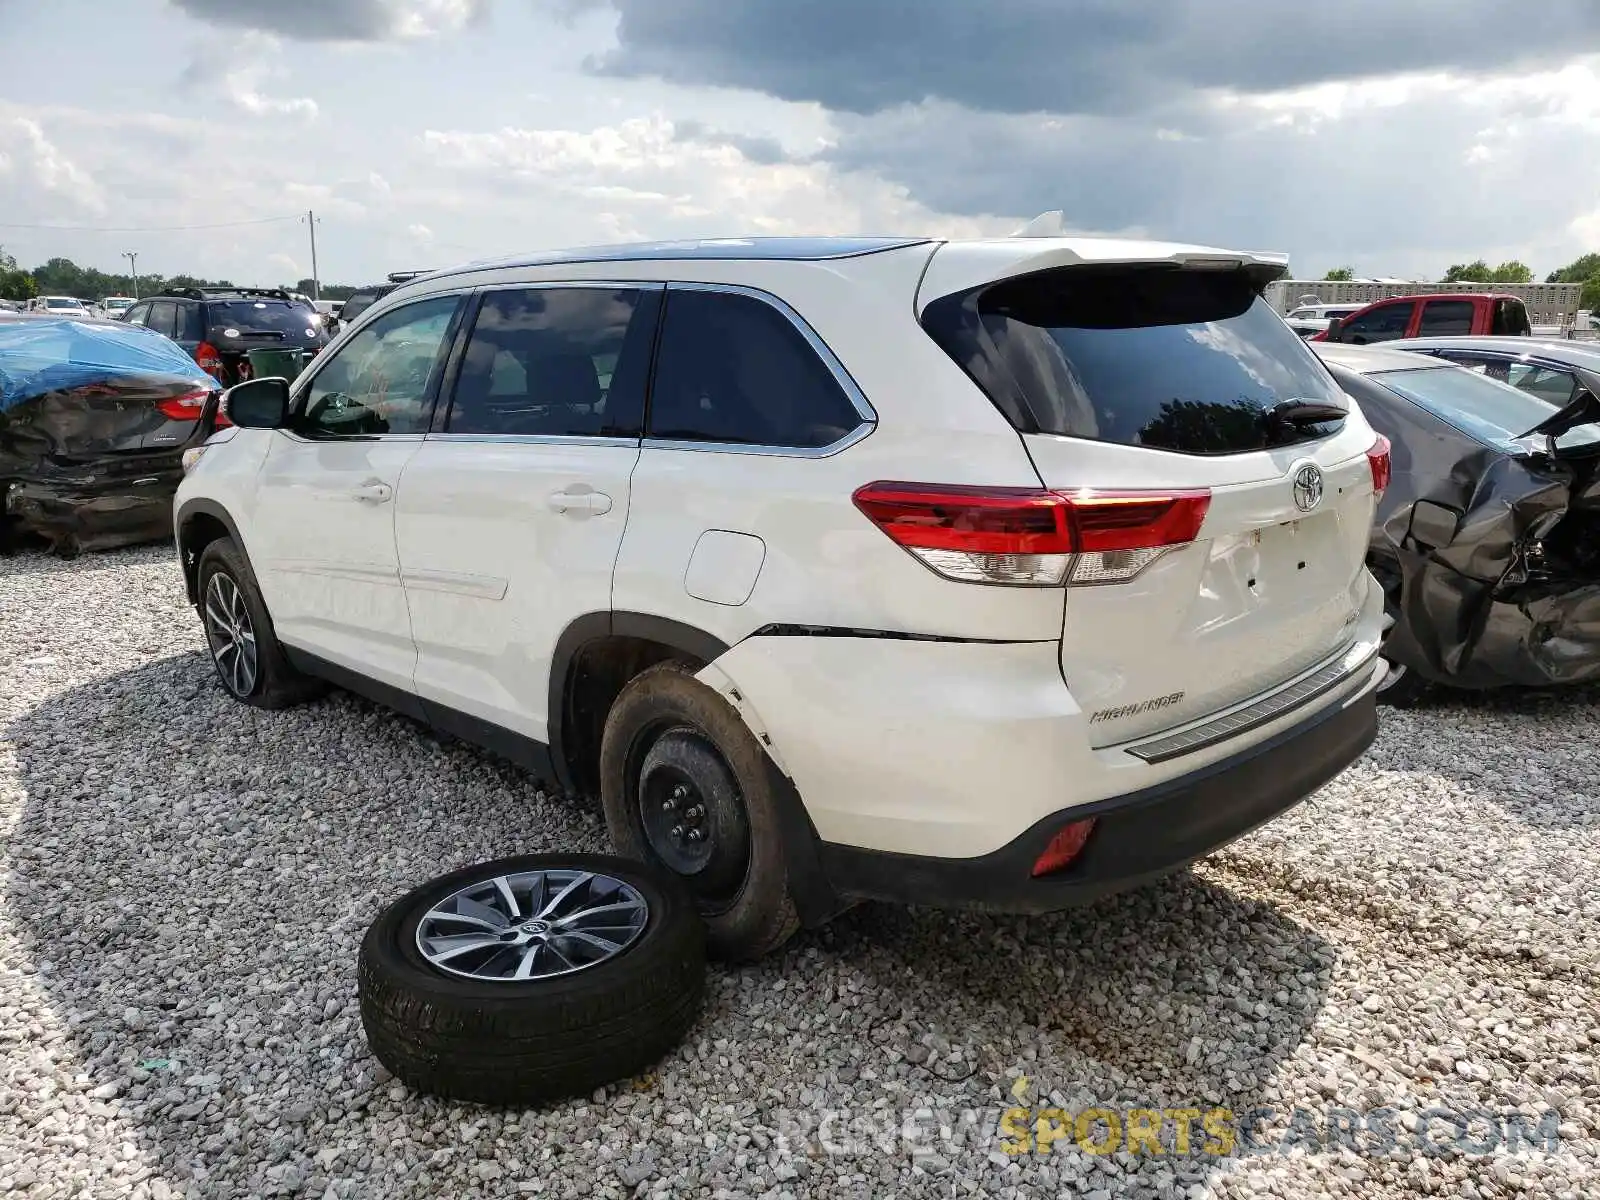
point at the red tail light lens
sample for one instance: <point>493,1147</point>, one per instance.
<point>1064,847</point>
<point>210,360</point>
<point>1033,536</point>
<point>186,407</point>
<point>1378,457</point>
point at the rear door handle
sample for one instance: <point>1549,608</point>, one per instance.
<point>373,493</point>
<point>581,503</point>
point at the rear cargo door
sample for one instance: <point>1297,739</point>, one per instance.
<point>1179,383</point>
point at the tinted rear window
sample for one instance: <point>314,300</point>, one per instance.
<point>261,316</point>
<point>1176,360</point>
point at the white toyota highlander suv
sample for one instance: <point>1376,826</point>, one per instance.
<point>1001,574</point>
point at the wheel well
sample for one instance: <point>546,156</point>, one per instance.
<point>198,532</point>
<point>599,671</point>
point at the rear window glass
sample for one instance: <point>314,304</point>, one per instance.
<point>261,316</point>
<point>1495,413</point>
<point>356,305</point>
<point>1189,361</point>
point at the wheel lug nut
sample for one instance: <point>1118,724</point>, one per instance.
<point>695,835</point>
<point>695,812</point>
<point>677,833</point>
<point>669,804</point>
<point>679,792</point>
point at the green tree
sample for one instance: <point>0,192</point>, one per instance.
<point>1511,272</point>
<point>1340,275</point>
<point>15,283</point>
<point>1579,270</point>
<point>1477,271</point>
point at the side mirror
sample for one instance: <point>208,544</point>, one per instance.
<point>1335,325</point>
<point>257,403</point>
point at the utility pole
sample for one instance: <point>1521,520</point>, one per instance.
<point>133,264</point>
<point>316,282</point>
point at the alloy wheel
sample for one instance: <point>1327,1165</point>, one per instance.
<point>231,634</point>
<point>531,925</point>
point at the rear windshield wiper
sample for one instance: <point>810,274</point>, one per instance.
<point>1287,416</point>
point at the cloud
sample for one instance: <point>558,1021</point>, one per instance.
<point>652,177</point>
<point>25,151</point>
<point>242,78</point>
<point>1075,56</point>
<point>340,20</point>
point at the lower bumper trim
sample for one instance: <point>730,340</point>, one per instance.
<point>1138,837</point>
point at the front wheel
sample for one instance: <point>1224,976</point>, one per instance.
<point>687,788</point>
<point>249,661</point>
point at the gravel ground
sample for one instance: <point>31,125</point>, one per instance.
<point>186,881</point>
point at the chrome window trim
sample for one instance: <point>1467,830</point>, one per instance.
<point>859,433</point>
<point>532,439</point>
<point>852,390</point>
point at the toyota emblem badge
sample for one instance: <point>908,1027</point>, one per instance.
<point>1307,487</point>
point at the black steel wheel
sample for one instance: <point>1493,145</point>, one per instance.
<point>686,787</point>
<point>533,978</point>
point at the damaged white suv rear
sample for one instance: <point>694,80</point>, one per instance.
<point>1000,574</point>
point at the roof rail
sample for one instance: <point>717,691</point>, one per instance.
<point>406,276</point>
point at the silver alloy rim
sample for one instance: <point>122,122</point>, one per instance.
<point>532,925</point>
<point>232,636</point>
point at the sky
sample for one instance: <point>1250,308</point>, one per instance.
<point>1393,137</point>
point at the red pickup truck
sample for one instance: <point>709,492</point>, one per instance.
<point>1450,314</point>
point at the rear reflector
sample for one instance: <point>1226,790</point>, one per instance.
<point>1033,536</point>
<point>1378,456</point>
<point>1064,847</point>
<point>186,407</point>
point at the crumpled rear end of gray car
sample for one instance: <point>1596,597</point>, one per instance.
<point>1487,541</point>
<point>94,419</point>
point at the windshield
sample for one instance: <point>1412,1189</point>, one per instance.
<point>118,305</point>
<point>1495,413</point>
<point>262,316</point>
<point>62,302</point>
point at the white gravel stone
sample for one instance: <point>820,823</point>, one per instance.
<point>186,882</point>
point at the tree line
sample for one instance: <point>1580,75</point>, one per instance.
<point>63,277</point>
<point>1584,270</point>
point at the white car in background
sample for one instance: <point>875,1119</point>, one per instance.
<point>1309,320</point>
<point>116,307</point>
<point>1002,574</point>
<point>61,306</point>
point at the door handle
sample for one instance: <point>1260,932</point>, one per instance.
<point>591,503</point>
<point>373,493</point>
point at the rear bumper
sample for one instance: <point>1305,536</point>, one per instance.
<point>1137,838</point>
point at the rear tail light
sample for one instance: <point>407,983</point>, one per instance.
<point>210,360</point>
<point>1378,457</point>
<point>1064,848</point>
<point>1033,536</point>
<point>186,407</point>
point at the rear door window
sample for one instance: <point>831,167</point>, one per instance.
<point>733,369</point>
<point>1510,319</point>
<point>1189,361</point>
<point>557,362</point>
<point>1446,318</point>
<point>1383,324</point>
<point>262,316</point>
<point>162,315</point>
